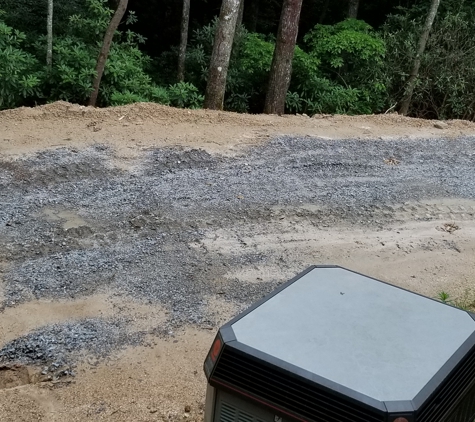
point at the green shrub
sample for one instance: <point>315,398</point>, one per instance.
<point>157,94</point>
<point>445,86</point>
<point>127,97</point>
<point>324,96</point>
<point>248,70</point>
<point>340,70</point>
<point>185,95</point>
<point>350,46</point>
<point>256,53</point>
<point>72,71</point>
<point>75,53</point>
<point>20,78</point>
<point>125,72</point>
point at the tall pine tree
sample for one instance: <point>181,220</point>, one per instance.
<point>281,68</point>
<point>223,43</point>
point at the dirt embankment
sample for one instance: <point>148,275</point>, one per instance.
<point>136,127</point>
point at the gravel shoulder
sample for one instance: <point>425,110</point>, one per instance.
<point>128,235</point>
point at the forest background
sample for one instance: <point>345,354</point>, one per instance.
<point>351,57</point>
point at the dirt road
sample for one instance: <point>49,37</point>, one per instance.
<point>128,235</point>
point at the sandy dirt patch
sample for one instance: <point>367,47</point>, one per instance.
<point>134,128</point>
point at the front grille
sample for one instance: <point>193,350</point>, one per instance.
<point>439,406</point>
<point>465,411</point>
<point>229,413</point>
<point>287,391</point>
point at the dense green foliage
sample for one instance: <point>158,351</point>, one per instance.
<point>446,84</point>
<point>341,72</point>
<point>329,72</point>
<point>19,70</point>
<point>75,52</point>
<point>341,66</point>
<point>248,69</point>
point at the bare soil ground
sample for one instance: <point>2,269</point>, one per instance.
<point>163,223</point>
<point>133,129</point>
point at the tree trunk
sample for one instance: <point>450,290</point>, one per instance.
<point>353,6</point>
<point>411,82</point>
<point>326,3</point>
<point>49,35</point>
<point>253,15</point>
<point>185,19</point>
<point>240,15</point>
<point>106,45</point>
<point>281,69</point>
<point>223,42</point>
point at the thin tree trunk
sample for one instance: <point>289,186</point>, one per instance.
<point>324,12</point>
<point>185,19</point>
<point>281,69</point>
<point>49,35</point>
<point>106,45</point>
<point>223,42</point>
<point>253,15</point>
<point>411,82</point>
<point>353,6</point>
<point>240,15</point>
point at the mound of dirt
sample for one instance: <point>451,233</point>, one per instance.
<point>132,128</point>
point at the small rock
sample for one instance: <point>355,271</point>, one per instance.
<point>187,408</point>
<point>441,125</point>
<point>137,222</point>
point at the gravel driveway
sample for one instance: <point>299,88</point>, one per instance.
<point>73,225</point>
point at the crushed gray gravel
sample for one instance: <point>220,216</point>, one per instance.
<point>139,224</point>
<point>56,347</point>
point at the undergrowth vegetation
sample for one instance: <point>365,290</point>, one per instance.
<point>348,67</point>
<point>466,301</point>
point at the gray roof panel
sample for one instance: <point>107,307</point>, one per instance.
<point>371,337</point>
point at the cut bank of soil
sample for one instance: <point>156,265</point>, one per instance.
<point>132,129</point>
<point>128,235</point>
